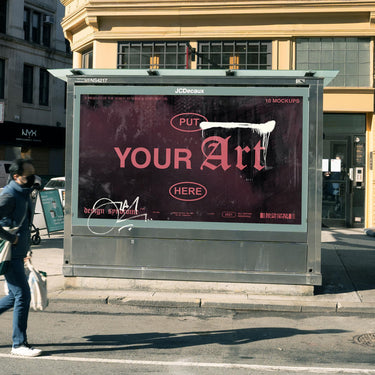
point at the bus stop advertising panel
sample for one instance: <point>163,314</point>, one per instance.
<point>179,178</point>
<point>208,159</point>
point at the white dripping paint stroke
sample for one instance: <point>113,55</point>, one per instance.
<point>264,130</point>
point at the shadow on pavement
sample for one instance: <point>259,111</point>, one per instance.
<point>348,262</point>
<point>158,340</point>
<point>47,243</point>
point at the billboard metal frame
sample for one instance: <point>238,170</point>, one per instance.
<point>281,255</point>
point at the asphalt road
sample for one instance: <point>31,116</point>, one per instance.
<point>105,339</point>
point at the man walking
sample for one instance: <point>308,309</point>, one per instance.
<point>16,211</point>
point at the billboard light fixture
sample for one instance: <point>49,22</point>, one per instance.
<point>152,72</point>
<point>230,73</point>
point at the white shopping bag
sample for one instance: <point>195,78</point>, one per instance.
<point>38,287</point>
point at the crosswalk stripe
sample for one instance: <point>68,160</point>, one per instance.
<point>254,367</point>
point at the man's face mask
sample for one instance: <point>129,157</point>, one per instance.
<point>30,180</point>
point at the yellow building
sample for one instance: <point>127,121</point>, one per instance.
<point>255,34</point>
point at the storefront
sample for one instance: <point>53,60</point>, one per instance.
<point>44,144</point>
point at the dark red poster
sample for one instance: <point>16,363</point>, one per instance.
<point>234,159</point>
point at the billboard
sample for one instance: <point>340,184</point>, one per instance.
<point>197,157</point>
<point>195,176</point>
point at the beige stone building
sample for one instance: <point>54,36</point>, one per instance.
<point>32,102</point>
<point>255,34</point>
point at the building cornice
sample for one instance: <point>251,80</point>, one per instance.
<point>91,15</point>
<point>66,2</point>
<point>81,14</point>
<point>218,3</point>
<point>191,7</point>
<point>92,21</point>
<point>20,45</point>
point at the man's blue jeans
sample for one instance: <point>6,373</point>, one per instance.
<point>19,298</point>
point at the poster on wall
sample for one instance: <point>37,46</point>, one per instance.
<point>196,158</point>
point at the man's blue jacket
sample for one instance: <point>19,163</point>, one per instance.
<point>15,206</point>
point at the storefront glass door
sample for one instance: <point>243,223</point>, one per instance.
<point>336,183</point>
<point>343,167</point>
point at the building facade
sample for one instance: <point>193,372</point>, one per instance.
<point>32,102</point>
<point>255,34</point>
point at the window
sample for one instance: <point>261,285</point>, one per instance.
<point>87,59</point>
<point>43,86</point>
<point>2,78</point>
<point>26,23</point>
<point>28,82</point>
<point>152,55</point>
<point>37,27</point>
<point>351,56</point>
<point>46,34</point>
<point>235,55</point>
<point>3,16</point>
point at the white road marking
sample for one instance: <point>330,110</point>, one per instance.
<point>297,369</point>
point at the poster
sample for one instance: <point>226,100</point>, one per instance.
<point>52,209</point>
<point>197,158</point>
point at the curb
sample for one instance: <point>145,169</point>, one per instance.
<point>148,300</point>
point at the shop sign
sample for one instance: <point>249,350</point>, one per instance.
<point>32,135</point>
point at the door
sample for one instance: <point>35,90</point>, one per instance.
<point>337,192</point>
<point>343,195</point>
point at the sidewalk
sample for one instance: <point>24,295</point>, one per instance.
<point>348,268</point>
